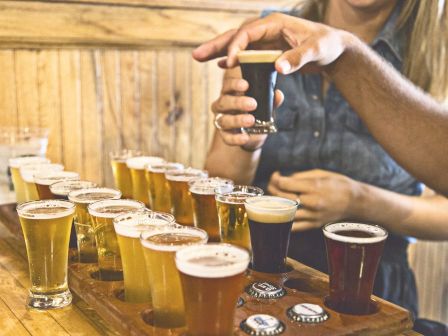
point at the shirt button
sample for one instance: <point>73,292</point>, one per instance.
<point>316,134</point>
<point>315,97</point>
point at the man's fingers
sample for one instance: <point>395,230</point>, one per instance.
<point>294,59</point>
<point>273,190</point>
<point>278,98</point>
<point>214,48</point>
<point>228,121</point>
<point>232,85</point>
<point>228,103</point>
<point>300,226</point>
<point>289,184</point>
<point>233,139</point>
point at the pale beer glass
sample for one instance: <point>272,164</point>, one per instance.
<point>122,175</point>
<point>43,180</point>
<point>46,228</point>
<point>27,172</point>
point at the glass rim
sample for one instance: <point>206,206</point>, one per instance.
<point>17,162</point>
<point>207,185</point>
<point>292,203</point>
<point>185,174</point>
<point>169,229</point>
<point>133,230</point>
<point>69,208</point>
<point>139,162</point>
<point>72,195</point>
<point>239,195</point>
<point>163,167</point>
<point>65,184</point>
<point>28,171</point>
<point>346,226</point>
<point>55,176</point>
<point>124,154</point>
<point>94,207</point>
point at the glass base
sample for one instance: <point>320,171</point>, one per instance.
<point>53,301</point>
<point>261,127</point>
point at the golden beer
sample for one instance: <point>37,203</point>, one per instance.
<point>212,277</point>
<point>27,172</point>
<point>181,203</point>
<point>158,187</point>
<point>137,167</point>
<point>17,181</point>
<point>82,197</point>
<point>233,223</point>
<point>159,248</point>
<point>205,214</point>
<point>46,228</point>
<point>44,179</point>
<point>128,227</point>
<point>122,175</point>
<point>61,189</point>
<point>103,213</point>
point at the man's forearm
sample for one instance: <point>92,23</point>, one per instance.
<point>408,123</point>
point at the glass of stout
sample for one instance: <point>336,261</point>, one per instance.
<point>353,252</point>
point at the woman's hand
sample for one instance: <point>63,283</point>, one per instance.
<point>324,196</point>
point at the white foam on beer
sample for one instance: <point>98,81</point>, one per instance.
<point>270,209</point>
<point>236,194</point>
<point>207,186</point>
<point>100,207</point>
<point>47,178</point>
<point>163,167</point>
<point>63,188</point>
<point>379,234</point>
<point>26,210</point>
<point>19,161</point>
<point>185,175</point>
<point>212,260</point>
<point>84,195</point>
<point>258,56</point>
<point>28,171</point>
<point>132,224</point>
<point>180,230</point>
<point>139,162</point>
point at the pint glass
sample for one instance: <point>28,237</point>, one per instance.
<point>159,248</point>
<point>27,172</point>
<point>103,213</point>
<point>120,170</point>
<point>128,227</point>
<point>44,179</point>
<point>233,223</point>
<point>158,187</point>
<point>212,277</point>
<point>46,228</point>
<point>353,252</point>
<point>270,223</point>
<point>205,215</point>
<point>137,166</point>
<point>258,69</point>
<point>181,203</point>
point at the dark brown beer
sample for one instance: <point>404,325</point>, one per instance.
<point>353,251</point>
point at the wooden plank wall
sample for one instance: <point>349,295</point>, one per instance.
<point>107,74</point>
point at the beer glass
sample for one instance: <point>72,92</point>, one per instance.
<point>353,252</point>
<point>43,180</point>
<point>159,248</point>
<point>61,189</point>
<point>128,227</point>
<point>137,166</point>
<point>181,203</point>
<point>17,181</point>
<point>27,172</point>
<point>212,278</point>
<point>270,223</point>
<point>103,213</point>
<point>82,197</point>
<point>120,170</point>
<point>205,215</point>
<point>233,223</point>
<point>46,228</point>
<point>158,187</point>
<point>258,69</point>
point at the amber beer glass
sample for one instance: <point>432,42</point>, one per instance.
<point>258,69</point>
<point>128,227</point>
<point>159,248</point>
<point>46,228</point>
<point>44,179</point>
<point>181,203</point>
<point>353,252</point>
<point>233,223</point>
<point>212,278</point>
<point>270,223</point>
<point>17,181</point>
<point>103,213</point>
<point>122,175</point>
<point>205,215</point>
<point>158,187</point>
<point>28,171</point>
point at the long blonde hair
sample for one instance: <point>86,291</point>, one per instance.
<point>426,56</point>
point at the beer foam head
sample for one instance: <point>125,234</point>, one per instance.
<point>28,171</point>
<point>132,224</point>
<point>47,209</point>
<point>258,56</point>
<point>90,195</point>
<point>207,186</point>
<point>164,167</point>
<point>139,162</point>
<point>185,175</point>
<point>19,161</point>
<point>236,194</point>
<point>375,233</point>
<point>212,260</point>
<point>124,154</point>
<point>172,238</point>
<point>47,178</point>
<point>111,208</point>
<point>270,209</point>
<point>63,188</point>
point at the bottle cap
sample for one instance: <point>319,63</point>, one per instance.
<point>240,302</point>
<point>265,290</point>
<point>307,313</point>
<point>262,325</point>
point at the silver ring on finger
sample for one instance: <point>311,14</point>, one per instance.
<point>216,121</point>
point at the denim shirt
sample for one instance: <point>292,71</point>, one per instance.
<point>316,132</point>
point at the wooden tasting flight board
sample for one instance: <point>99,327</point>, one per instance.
<point>302,284</point>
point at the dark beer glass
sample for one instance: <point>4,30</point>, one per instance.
<point>257,68</point>
<point>270,223</point>
<point>353,252</point>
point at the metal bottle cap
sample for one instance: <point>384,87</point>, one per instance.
<point>262,325</point>
<point>240,302</point>
<point>307,313</point>
<point>265,290</point>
